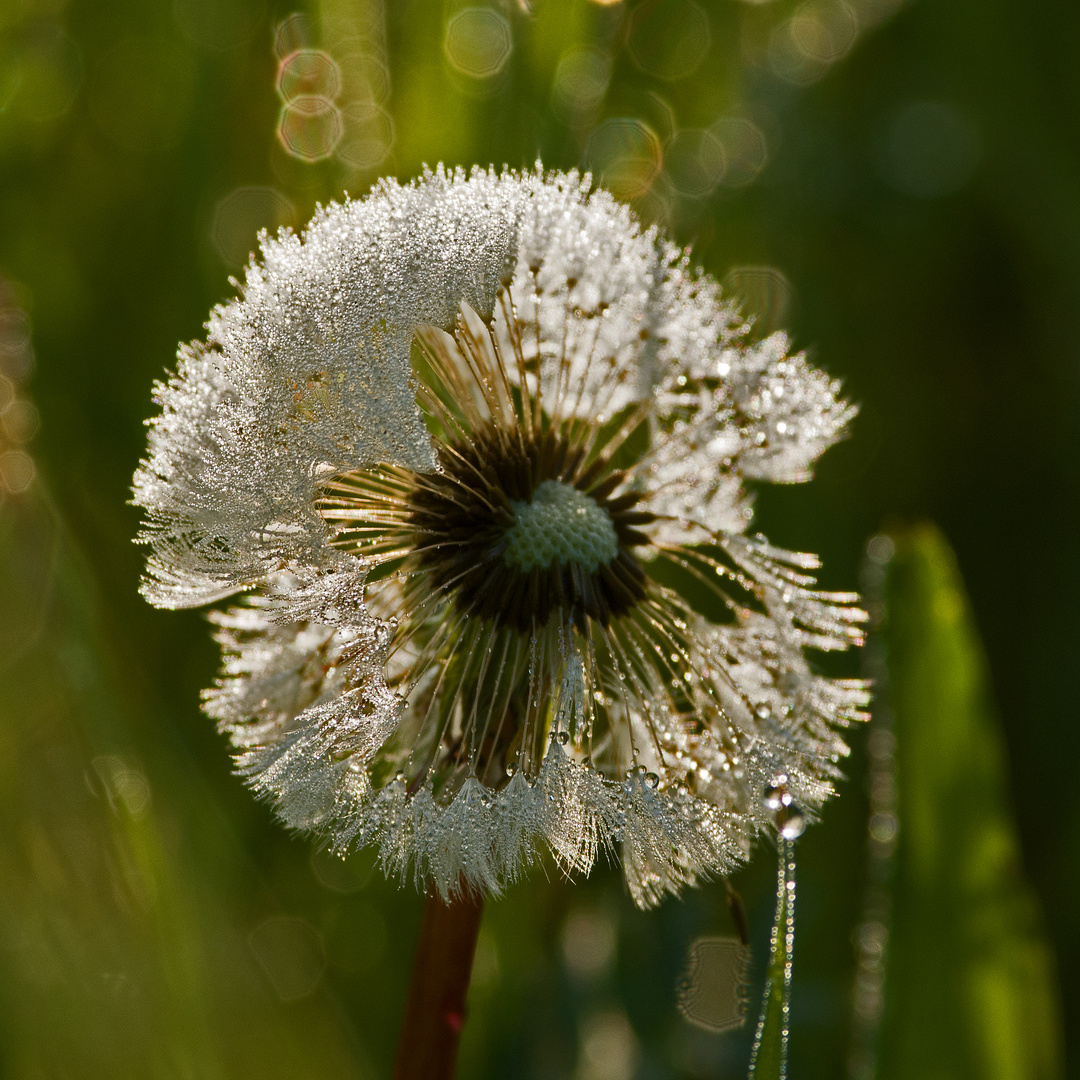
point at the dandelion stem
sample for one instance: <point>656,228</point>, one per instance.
<point>435,1009</point>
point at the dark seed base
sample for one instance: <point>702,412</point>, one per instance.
<point>461,516</point>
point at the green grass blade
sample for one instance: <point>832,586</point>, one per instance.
<point>970,989</point>
<point>768,1060</point>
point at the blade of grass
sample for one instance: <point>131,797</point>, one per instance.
<point>768,1059</point>
<point>970,990</point>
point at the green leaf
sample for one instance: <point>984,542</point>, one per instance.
<point>970,989</point>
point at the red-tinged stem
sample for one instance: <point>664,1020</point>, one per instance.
<point>435,1009</point>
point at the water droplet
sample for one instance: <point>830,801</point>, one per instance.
<point>562,737</point>
<point>773,796</point>
<point>511,768</point>
<point>791,822</point>
<point>652,779</point>
<point>763,711</point>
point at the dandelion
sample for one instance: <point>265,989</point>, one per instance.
<point>476,452</point>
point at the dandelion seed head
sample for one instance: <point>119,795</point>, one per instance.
<point>451,446</point>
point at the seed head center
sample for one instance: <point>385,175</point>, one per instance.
<point>562,525</point>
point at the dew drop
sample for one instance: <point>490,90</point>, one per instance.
<point>791,822</point>
<point>652,779</point>
<point>763,711</point>
<point>511,768</point>
<point>562,737</point>
<point>772,797</point>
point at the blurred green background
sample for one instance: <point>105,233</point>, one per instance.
<point>898,183</point>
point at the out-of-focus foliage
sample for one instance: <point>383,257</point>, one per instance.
<point>969,990</point>
<point>897,184</point>
<point>118,957</point>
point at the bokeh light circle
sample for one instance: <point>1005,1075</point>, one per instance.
<point>694,160</point>
<point>308,72</point>
<point>746,151</point>
<point>291,35</point>
<point>16,351</point>
<point>369,135</point>
<point>16,471</point>
<point>763,293</point>
<point>824,30</point>
<point>626,156</point>
<point>581,79</point>
<point>669,38</point>
<point>478,42</point>
<point>20,421</point>
<point>805,46</point>
<point>310,127</point>
<point>369,77</point>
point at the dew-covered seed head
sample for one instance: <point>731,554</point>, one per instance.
<point>473,448</point>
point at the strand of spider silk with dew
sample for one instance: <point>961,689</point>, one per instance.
<point>435,1008</point>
